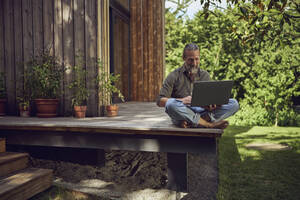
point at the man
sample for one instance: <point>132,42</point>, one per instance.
<point>175,96</point>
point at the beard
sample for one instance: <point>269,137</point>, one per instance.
<point>192,69</point>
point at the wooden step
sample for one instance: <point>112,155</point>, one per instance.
<point>11,161</point>
<point>2,145</point>
<point>25,184</point>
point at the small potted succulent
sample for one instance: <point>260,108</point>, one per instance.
<point>108,86</point>
<point>45,74</point>
<point>2,94</point>
<point>79,89</point>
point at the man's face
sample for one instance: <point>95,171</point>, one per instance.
<point>191,60</point>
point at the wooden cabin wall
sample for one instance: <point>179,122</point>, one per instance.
<point>124,3</point>
<point>66,27</point>
<point>147,48</point>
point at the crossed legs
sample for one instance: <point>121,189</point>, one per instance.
<point>186,116</point>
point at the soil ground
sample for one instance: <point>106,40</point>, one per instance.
<point>125,175</point>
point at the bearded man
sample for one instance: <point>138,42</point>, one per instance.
<point>175,96</point>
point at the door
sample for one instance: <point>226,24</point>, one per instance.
<point>120,45</point>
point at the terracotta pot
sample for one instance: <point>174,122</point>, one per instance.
<point>112,110</point>
<point>80,111</point>
<point>2,107</point>
<point>24,112</point>
<point>46,107</point>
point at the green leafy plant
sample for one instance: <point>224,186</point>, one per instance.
<point>45,75</point>
<point>78,85</point>
<point>107,83</point>
<point>25,94</point>
<point>23,103</point>
<point>2,86</point>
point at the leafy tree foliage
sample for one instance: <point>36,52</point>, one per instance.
<point>261,19</point>
<point>265,67</point>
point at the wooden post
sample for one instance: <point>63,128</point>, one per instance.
<point>103,46</point>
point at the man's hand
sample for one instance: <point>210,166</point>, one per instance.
<point>210,107</point>
<point>186,100</point>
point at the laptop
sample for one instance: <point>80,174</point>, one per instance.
<point>211,92</point>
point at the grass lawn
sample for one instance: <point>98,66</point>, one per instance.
<point>247,173</point>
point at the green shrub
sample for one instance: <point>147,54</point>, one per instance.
<point>45,74</point>
<point>250,115</point>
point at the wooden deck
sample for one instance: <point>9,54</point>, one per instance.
<point>139,127</point>
<point>137,118</point>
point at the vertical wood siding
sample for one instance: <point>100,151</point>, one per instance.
<point>2,69</point>
<point>18,32</point>
<point>68,49</point>
<point>9,60</point>
<point>66,28</point>
<point>58,41</point>
<point>1,36</point>
<point>90,30</point>
<point>147,48</point>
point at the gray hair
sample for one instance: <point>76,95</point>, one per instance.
<point>190,47</point>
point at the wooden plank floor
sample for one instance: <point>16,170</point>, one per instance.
<point>134,118</point>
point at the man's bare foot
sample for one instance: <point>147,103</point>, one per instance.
<point>205,124</point>
<point>184,124</point>
<point>220,124</point>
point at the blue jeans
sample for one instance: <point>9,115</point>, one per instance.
<point>179,112</point>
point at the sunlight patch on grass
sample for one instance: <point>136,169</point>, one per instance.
<point>266,138</point>
<point>246,153</point>
<point>267,146</point>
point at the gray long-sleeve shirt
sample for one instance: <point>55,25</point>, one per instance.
<point>178,84</point>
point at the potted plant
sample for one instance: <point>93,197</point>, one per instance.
<point>108,86</point>
<point>80,92</point>
<point>45,76</point>
<point>24,107</point>
<point>2,94</point>
<point>25,97</point>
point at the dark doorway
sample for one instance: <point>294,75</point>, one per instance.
<point>119,17</point>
